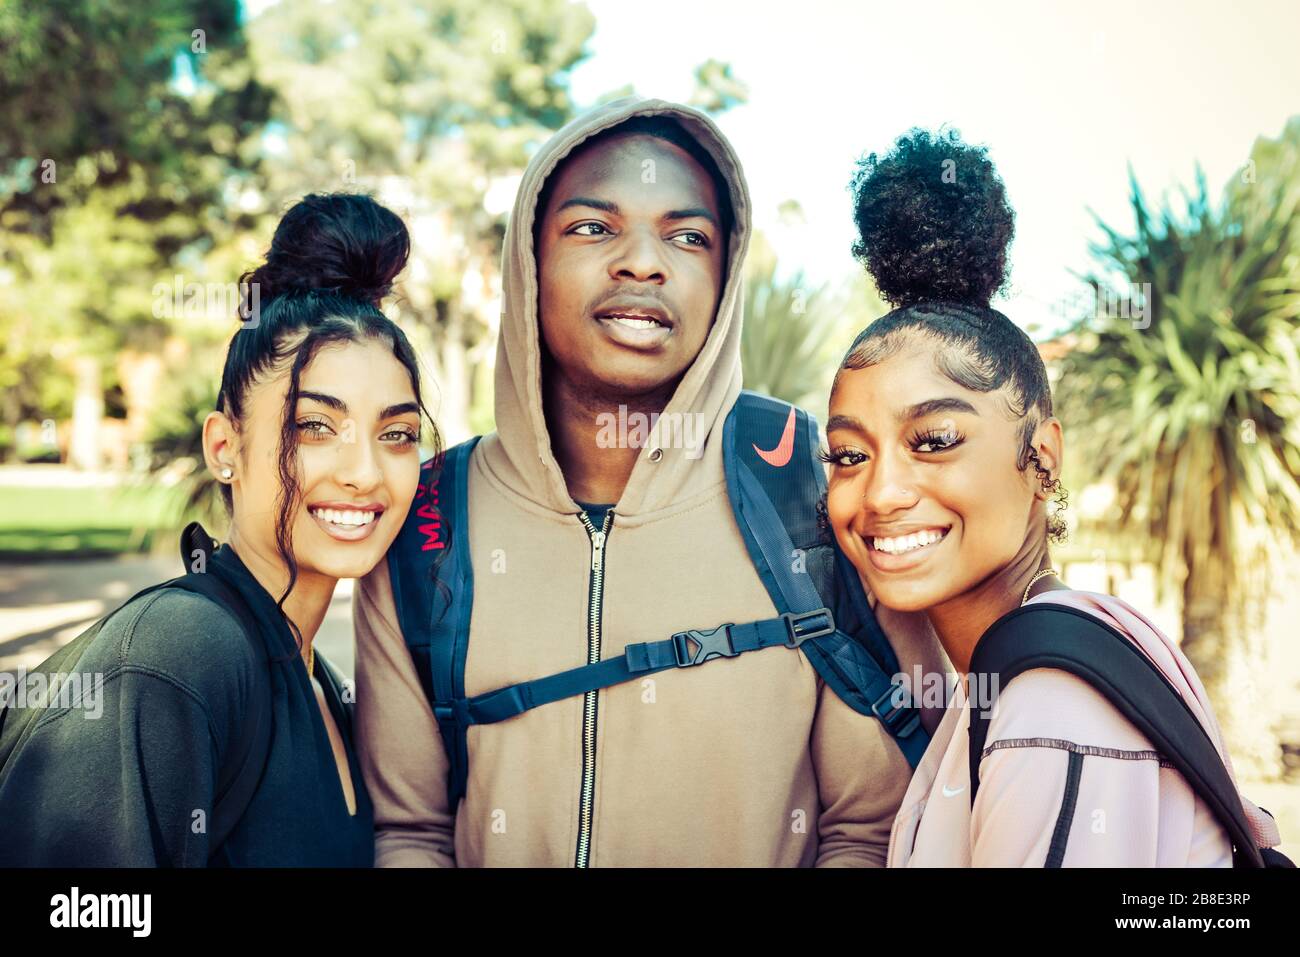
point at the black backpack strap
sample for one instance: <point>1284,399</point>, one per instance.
<point>435,624</point>
<point>434,613</point>
<point>774,480</point>
<point>241,773</point>
<point>684,649</point>
<point>1055,636</point>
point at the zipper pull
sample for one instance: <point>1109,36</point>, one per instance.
<point>597,551</point>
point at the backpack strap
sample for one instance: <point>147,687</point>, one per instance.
<point>432,577</point>
<point>435,619</point>
<point>684,649</point>
<point>774,493</point>
<point>1055,636</point>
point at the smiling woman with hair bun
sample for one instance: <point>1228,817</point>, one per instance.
<point>944,453</point>
<point>226,739</point>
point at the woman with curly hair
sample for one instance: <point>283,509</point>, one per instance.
<point>937,413</point>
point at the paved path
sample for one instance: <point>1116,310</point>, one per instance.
<point>45,604</point>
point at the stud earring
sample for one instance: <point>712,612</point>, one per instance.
<point>227,474</point>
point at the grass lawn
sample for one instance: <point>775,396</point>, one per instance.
<point>61,522</point>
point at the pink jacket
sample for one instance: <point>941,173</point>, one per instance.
<point>1128,808</point>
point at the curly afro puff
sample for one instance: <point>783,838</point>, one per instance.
<point>933,221</point>
<point>933,229</point>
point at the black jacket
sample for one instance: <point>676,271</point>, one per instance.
<point>134,786</point>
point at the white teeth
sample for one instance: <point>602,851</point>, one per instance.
<point>350,517</point>
<point>907,543</point>
<point>634,323</point>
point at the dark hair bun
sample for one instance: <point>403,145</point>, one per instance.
<point>344,243</point>
<point>933,221</point>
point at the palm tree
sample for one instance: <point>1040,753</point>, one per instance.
<point>1193,414</point>
<point>795,333</point>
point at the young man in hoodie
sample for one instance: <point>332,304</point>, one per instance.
<point>622,289</point>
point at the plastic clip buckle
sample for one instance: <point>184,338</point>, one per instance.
<point>714,643</point>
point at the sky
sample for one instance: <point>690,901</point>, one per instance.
<point>1065,96</point>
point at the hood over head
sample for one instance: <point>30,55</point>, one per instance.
<point>519,452</point>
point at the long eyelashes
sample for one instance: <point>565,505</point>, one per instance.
<point>942,438</point>
<point>407,438</point>
<point>930,442</point>
<point>835,455</point>
<point>315,430</point>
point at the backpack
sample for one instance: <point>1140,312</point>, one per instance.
<point>822,609</point>
<point>1054,636</point>
<point>239,778</point>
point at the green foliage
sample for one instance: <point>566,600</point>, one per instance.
<point>1192,412</point>
<point>175,443</point>
<point>1196,418</point>
<point>428,105</point>
<point>89,86</point>
<point>795,334</point>
<point>115,174</point>
<point>164,140</point>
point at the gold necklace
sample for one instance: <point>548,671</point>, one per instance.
<point>311,661</point>
<point>1043,573</point>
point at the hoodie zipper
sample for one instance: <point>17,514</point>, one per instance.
<point>595,592</point>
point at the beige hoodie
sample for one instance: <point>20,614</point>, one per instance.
<point>745,761</point>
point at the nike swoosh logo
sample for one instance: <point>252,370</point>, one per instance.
<point>780,455</point>
<point>951,792</point>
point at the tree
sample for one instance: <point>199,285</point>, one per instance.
<point>1191,407</point>
<point>433,106</point>
<point>795,334</point>
<point>121,131</point>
